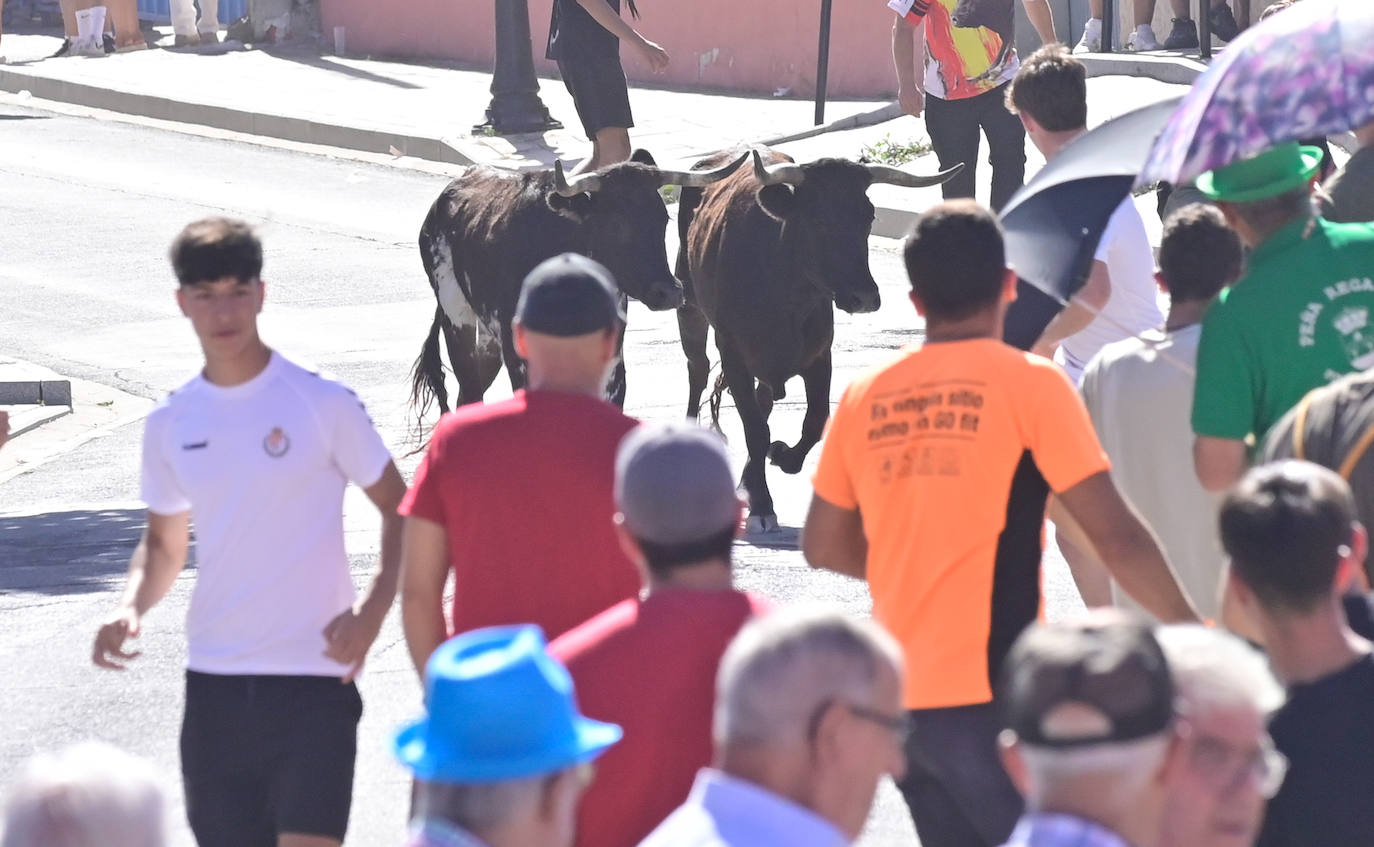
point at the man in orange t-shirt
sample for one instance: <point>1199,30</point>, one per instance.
<point>932,486</point>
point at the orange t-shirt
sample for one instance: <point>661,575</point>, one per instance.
<point>950,453</point>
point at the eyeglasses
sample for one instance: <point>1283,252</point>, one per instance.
<point>899,725</point>
<point>1223,765</point>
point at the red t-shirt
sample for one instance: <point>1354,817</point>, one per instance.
<point>523,488</point>
<point>650,666</point>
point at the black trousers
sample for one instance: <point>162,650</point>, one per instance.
<point>955,786</point>
<point>953,126</point>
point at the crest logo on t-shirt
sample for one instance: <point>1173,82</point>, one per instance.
<point>276,443</point>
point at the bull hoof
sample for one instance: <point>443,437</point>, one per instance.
<point>761,524</point>
<point>789,460</point>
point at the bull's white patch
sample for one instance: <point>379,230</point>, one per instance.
<point>451,297</point>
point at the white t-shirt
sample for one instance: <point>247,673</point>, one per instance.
<point>1141,403</point>
<point>1132,307</point>
<point>262,467</point>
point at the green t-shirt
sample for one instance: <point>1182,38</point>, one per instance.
<point>1302,315</point>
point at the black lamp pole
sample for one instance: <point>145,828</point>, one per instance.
<point>515,104</point>
<point>823,62</point>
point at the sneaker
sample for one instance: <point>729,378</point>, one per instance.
<point>88,47</point>
<point>1142,40</point>
<point>64,50</point>
<point>1223,22</point>
<point>1091,42</point>
<point>186,41</point>
<point>1183,35</point>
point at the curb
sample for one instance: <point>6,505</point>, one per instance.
<point>1177,70</point>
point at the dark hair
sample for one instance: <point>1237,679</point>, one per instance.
<point>662,559</point>
<point>1200,254</point>
<point>214,248</point>
<point>1051,87</point>
<point>1283,526</point>
<point>955,260</point>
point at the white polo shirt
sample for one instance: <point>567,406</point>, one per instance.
<point>262,467</point>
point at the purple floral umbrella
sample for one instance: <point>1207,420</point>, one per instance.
<point>1305,72</point>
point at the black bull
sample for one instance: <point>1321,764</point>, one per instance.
<point>489,228</point>
<point>763,255</point>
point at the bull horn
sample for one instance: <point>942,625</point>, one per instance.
<point>581,184</point>
<point>783,173</point>
<point>894,176</point>
<point>700,179</point>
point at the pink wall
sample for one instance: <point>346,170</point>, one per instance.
<point>740,45</point>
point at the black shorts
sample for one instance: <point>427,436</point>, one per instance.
<point>262,755</point>
<point>958,793</point>
<point>597,84</point>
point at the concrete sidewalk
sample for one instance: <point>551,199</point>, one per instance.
<point>304,95</point>
<point>300,94</point>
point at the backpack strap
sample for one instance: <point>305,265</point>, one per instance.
<point>1300,427</point>
<point>1356,453</point>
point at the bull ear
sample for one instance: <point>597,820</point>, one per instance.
<point>642,156</point>
<point>576,207</point>
<point>779,201</point>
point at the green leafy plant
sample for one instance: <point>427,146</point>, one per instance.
<point>890,152</point>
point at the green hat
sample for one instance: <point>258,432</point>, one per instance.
<point>1269,174</point>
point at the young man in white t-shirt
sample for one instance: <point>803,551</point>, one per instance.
<point>260,450</point>
<point>1139,394</point>
<point>1050,94</point>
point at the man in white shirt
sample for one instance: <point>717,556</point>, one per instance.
<point>1139,394</point>
<point>1050,94</point>
<point>260,450</point>
<point>808,719</point>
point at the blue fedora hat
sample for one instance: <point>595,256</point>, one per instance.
<point>499,708</point>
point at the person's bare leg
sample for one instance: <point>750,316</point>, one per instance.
<point>1181,9</point>
<point>613,145</point>
<point>1095,9</point>
<point>1145,12</point>
<point>590,163</point>
<point>123,17</point>
<point>610,146</point>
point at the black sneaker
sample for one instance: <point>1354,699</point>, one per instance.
<point>1183,35</point>
<point>1223,22</point>
<point>64,49</point>
<point>108,42</point>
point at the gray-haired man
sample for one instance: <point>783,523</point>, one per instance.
<point>808,720</point>
<point>1228,695</point>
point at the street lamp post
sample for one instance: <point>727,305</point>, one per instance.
<point>515,104</point>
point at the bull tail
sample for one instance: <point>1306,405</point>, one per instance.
<point>427,378</point>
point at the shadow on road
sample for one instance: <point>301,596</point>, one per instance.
<point>68,552</point>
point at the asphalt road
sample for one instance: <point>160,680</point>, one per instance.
<point>89,208</point>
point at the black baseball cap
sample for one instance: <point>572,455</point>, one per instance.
<point>569,295</point>
<point>1106,663</point>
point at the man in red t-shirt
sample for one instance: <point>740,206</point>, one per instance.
<point>651,663</point>
<point>515,496</point>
